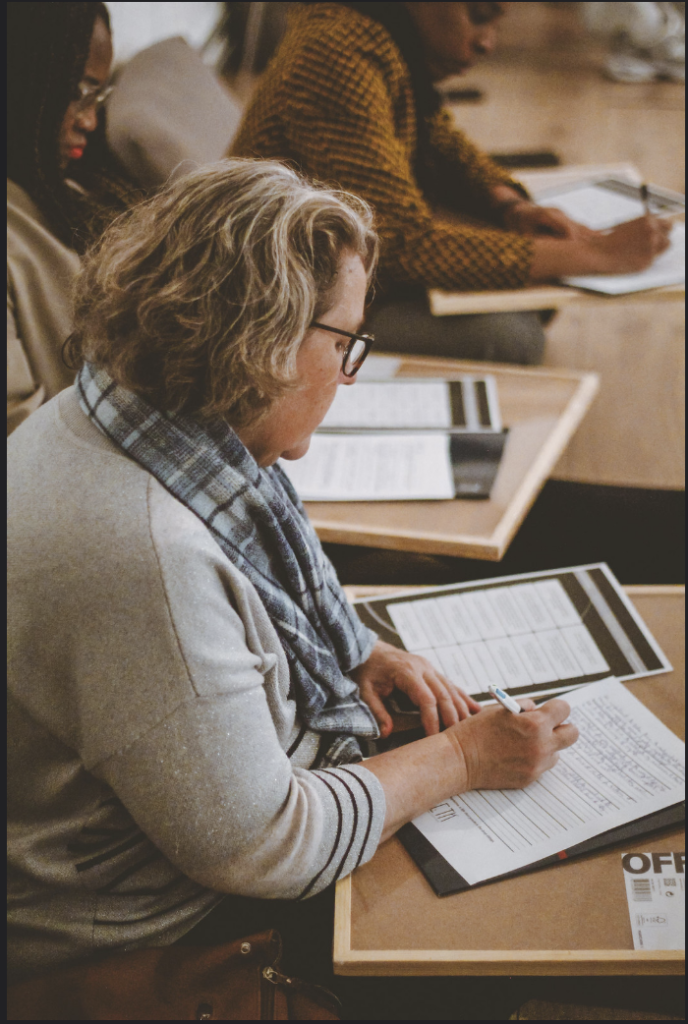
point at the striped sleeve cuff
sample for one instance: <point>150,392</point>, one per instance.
<point>357,807</point>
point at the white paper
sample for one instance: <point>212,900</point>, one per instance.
<point>379,368</point>
<point>514,636</point>
<point>599,207</point>
<point>596,207</point>
<point>668,268</point>
<point>656,894</point>
<point>626,764</point>
<point>373,467</point>
<point>424,404</point>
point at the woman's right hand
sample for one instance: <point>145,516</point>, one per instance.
<point>506,751</point>
<point>625,249</point>
<point>630,247</point>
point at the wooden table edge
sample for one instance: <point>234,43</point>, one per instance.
<point>444,303</point>
<point>492,962</point>
<point>490,548</point>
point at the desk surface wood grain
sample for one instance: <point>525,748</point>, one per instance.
<point>542,409</point>
<point>568,919</point>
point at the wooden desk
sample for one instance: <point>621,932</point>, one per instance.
<point>549,296</point>
<point>568,919</point>
<point>542,408</point>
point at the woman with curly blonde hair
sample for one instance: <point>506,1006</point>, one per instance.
<point>188,683</point>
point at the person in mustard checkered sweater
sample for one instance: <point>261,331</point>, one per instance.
<point>350,99</point>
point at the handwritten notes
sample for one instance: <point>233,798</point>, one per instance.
<point>626,764</point>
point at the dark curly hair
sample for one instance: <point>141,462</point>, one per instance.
<point>47,49</point>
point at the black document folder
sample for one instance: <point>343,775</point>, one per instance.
<point>475,460</point>
<point>446,881</point>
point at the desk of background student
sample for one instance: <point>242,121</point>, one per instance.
<point>568,919</point>
<point>542,408</point>
<point>634,435</point>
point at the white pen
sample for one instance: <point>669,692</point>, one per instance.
<point>505,700</point>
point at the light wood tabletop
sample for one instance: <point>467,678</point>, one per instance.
<point>571,918</point>
<point>548,296</point>
<point>542,409</point>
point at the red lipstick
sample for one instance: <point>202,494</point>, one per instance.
<point>76,152</point>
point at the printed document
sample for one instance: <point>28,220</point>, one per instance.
<point>656,893</point>
<point>379,368</point>
<point>418,404</point>
<point>626,764</point>
<point>374,467</point>
<point>533,634</point>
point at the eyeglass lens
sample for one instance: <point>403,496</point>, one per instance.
<point>355,356</point>
<point>90,97</point>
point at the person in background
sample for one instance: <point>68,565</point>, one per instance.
<point>647,40</point>
<point>63,187</point>
<point>350,98</point>
<point>188,682</point>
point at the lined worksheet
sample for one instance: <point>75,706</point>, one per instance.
<point>391,404</point>
<point>379,368</point>
<point>626,764</point>
<point>469,403</point>
<point>374,467</point>
<point>532,634</point>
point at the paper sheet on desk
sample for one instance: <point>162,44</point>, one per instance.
<point>399,405</point>
<point>374,467</point>
<point>668,268</point>
<point>626,764</point>
<point>379,368</point>
<point>599,207</point>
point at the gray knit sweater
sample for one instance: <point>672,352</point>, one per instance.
<point>155,758</point>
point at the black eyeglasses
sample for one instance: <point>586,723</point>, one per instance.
<point>356,351</point>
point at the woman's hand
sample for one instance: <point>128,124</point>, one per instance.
<point>492,750</point>
<point>529,219</point>
<point>632,246</point>
<point>506,751</point>
<point>388,668</point>
<point>625,249</point>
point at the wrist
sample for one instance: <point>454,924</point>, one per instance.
<point>506,208</point>
<point>455,737</point>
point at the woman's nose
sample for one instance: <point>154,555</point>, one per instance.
<point>485,42</point>
<point>87,119</point>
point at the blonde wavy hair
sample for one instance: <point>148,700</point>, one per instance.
<point>199,298</point>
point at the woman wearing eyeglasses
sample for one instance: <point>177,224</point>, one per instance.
<point>63,186</point>
<point>189,684</point>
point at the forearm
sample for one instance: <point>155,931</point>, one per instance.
<point>418,776</point>
<point>553,257</point>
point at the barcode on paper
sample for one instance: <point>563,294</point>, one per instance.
<point>642,892</point>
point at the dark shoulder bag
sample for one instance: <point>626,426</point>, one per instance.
<point>237,981</point>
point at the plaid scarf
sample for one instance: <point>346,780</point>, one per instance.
<point>261,526</point>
